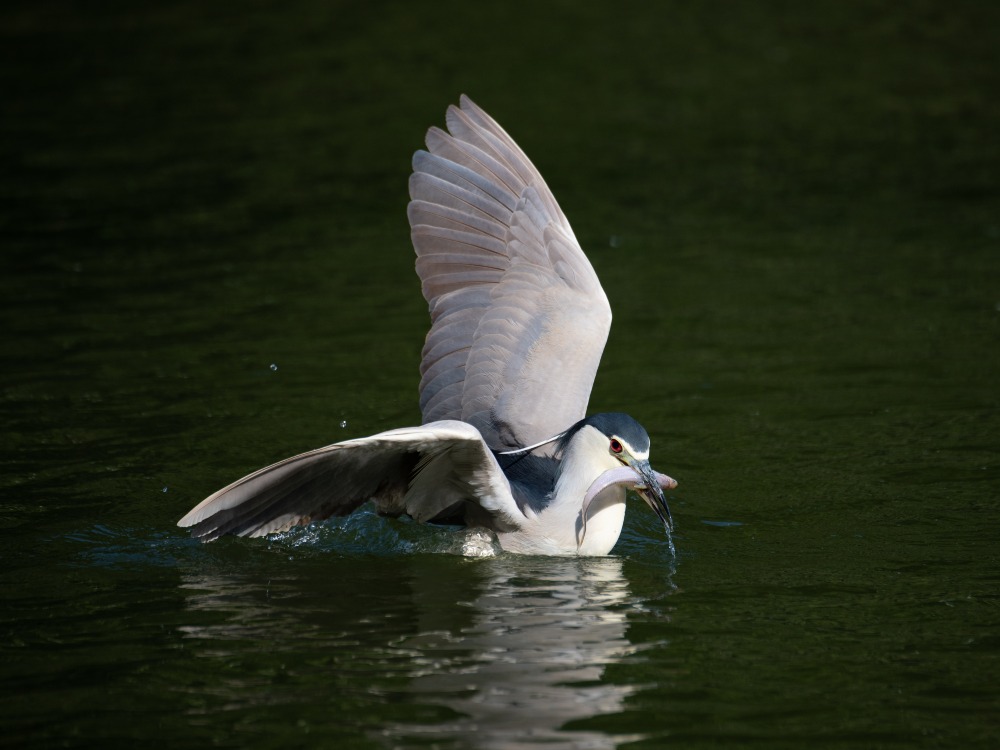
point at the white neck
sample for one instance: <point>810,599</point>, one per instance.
<point>556,529</point>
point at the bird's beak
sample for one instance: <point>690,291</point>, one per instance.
<point>652,491</point>
<point>638,476</point>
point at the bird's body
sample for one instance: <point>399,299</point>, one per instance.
<point>519,322</point>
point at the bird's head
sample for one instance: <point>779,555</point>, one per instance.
<point>619,445</point>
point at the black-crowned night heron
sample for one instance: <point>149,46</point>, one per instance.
<point>518,324</point>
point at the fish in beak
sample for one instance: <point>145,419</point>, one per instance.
<point>639,476</point>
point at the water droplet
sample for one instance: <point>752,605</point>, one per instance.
<point>274,367</point>
<point>614,241</point>
<point>343,423</point>
<point>164,489</point>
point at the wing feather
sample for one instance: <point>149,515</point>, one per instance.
<point>437,191</point>
<point>492,242</point>
<point>474,124</point>
<point>432,214</point>
<point>420,471</point>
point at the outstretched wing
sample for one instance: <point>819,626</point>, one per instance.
<point>425,472</point>
<point>519,318</point>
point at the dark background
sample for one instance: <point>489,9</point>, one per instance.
<point>795,212</point>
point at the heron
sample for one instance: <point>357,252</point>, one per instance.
<point>519,321</point>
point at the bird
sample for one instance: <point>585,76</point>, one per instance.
<point>519,322</point>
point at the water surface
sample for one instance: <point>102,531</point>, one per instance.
<point>795,214</point>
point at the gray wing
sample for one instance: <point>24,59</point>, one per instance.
<point>421,471</point>
<point>518,317</point>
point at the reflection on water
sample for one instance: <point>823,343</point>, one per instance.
<point>537,650</point>
<point>507,652</point>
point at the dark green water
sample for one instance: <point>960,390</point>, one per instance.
<point>795,212</point>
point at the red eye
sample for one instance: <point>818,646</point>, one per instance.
<point>616,447</point>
